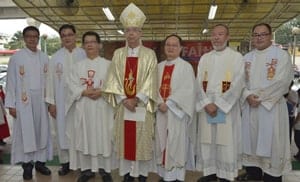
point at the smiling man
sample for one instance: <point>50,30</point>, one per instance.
<point>59,69</point>
<point>91,132</point>
<point>175,113</point>
<point>221,80</point>
<point>25,91</point>
<point>265,122</point>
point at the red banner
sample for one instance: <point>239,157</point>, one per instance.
<point>193,50</point>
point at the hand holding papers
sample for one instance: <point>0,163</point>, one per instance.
<point>219,118</point>
<point>132,112</point>
<point>139,114</point>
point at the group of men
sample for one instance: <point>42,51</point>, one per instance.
<point>139,116</point>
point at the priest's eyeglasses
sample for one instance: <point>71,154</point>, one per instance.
<point>31,36</point>
<point>172,45</point>
<point>90,42</point>
<point>260,35</point>
<point>67,35</point>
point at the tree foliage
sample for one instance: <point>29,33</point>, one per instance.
<point>52,43</point>
<point>283,34</point>
<point>16,41</point>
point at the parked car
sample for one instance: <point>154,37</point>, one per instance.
<point>3,68</point>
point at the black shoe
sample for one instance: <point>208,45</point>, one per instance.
<point>208,178</point>
<point>85,176</point>
<point>223,180</point>
<point>2,142</point>
<point>64,170</point>
<point>297,156</point>
<point>269,178</point>
<point>128,178</point>
<point>162,180</point>
<point>106,177</point>
<point>41,168</point>
<point>247,177</point>
<point>142,178</point>
<point>27,170</point>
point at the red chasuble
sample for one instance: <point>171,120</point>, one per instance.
<point>165,90</point>
<point>130,91</point>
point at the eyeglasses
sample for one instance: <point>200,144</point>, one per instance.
<point>90,42</point>
<point>258,35</point>
<point>32,36</point>
<point>172,45</point>
<point>67,35</point>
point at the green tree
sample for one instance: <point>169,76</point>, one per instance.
<point>283,34</point>
<point>2,36</point>
<point>52,44</point>
<point>16,41</point>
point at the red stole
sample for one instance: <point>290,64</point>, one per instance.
<point>130,92</point>
<point>165,90</point>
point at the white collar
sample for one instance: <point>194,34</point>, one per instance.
<point>133,52</point>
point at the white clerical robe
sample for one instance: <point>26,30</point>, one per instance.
<point>266,128</point>
<point>92,131</point>
<point>60,66</point>
<point>25,91</point>
<point>172,127</point>
<point>219,147</point>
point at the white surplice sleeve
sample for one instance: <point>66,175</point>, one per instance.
<point>50,88</point>
<point>74,86</point>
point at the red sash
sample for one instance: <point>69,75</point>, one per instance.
<point>165,90</point>
<point>130,91</point>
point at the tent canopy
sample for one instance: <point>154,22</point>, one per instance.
<point>187,18</point>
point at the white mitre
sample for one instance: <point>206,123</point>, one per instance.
<point>132,16</point>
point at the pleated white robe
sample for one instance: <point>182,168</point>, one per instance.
<point>60,66</point>
<point>266,128</point>
<point>172,127</point>
<point>92,132</point>
<point>26,76</point>
<point>219,145</point>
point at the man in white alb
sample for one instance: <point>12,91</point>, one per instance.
<point>25,98</point>
<point>59,68</point>
<point>220,79</point>
<point>176,107</point>
<point>265,122</point>
<point>92,131</point>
